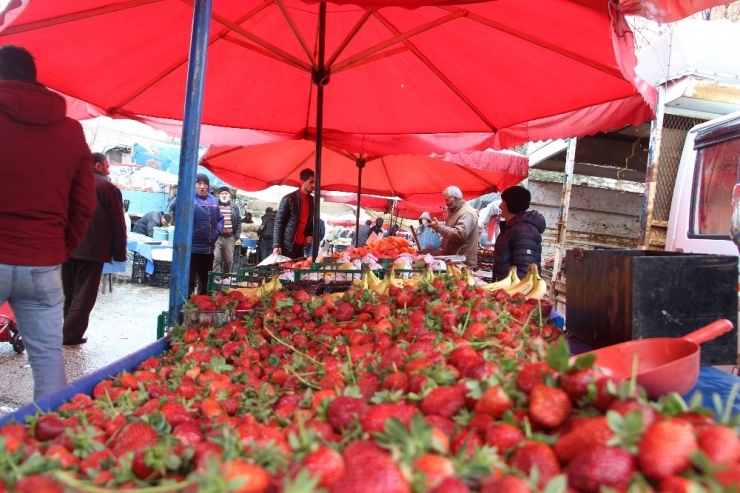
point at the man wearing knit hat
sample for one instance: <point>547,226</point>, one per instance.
<point>223,258</point>
<point>520,241</point>
<point>208,223</point>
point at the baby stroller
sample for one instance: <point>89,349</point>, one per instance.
<point>9,329</point>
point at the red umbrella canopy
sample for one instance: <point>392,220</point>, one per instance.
<point>416,178</point>
<point>430,79</point>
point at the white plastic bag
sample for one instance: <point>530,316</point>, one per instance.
<point>274,259</point>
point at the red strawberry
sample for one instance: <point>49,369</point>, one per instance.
<point>451,484</point>
<point>374,418</point>
<point>100,389</point>
<point>36,484</point>
<point>435,468</point>
<point>601,466</point>
<point>665,449</point>
<point>504,436</point>
<point>187,433</point>
<point>15,434</point>
<point>396,381</point>
<point>532,374</point>
<point>720,444</point>
<point>508,484</point>
<point>467,441</point>
<point>443,401</point>
<point>133,436</point>
<point>345,311</point>
<point>587,433</point>
<point>370,470</point>
<point>343,410</point>
<point>494,402</point>
<point>548,406</point>
<point>624,407</point>
<point>48,426</point>
<point>58,452</point>
<point>93,463</point>
<point>678,484</point>
<point>254,479</point>
<point>325,463</point>
<point>576,382</point>
<point>532,454</point>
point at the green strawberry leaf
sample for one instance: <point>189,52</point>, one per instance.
<point>557,484</point>
<point>585,361</point>
<point>558,355</point>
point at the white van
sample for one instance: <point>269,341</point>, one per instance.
<point>702,206</point>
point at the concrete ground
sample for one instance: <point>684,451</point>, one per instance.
<point>121,323</point>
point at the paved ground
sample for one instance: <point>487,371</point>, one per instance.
<point>121,322</point>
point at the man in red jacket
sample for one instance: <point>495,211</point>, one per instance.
<point>44,151</point>
<point>105,239</point>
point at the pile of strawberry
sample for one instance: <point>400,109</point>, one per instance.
<point>440,389</point>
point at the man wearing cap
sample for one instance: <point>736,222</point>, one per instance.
<point>232,230</point>
<point>520,241</point>
<point>460,232</point>
<point>208,223</point>
<point>294,219</point>
<point>151,220</point>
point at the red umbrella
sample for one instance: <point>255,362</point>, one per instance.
<point>429,79</point>
<point>417,178</point>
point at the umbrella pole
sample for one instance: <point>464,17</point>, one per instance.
<point>189,159</point>
<point>360,164</point>
<point>320,78</point>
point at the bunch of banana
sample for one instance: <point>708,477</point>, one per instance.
<point>269,287</point>
<point>454,271</point>
<point>506,282</point>
<point>467,276</point>
<point>532,286</point>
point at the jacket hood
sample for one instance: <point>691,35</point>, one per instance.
<point>31,103</point>
<point>532,217</point>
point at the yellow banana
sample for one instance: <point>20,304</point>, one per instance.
<point>503,283</point>
<point>523,286</point>
<point>467,275</point>
<point>382,286</point>
<point>539,289</point>
<point>372,280</point>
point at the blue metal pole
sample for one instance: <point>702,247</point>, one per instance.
<point>189,158</point>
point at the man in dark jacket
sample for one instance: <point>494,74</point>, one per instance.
<point>266,231</point>
<point>208,223</point>
<point>294,220</point>
<point>223,259</point>
<point>44,151</point>
<point>363,233</point>
<point>105,239</point>
<point>520,241</point>
<point>151,220</point>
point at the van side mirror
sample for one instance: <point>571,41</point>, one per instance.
<point>735,221</point>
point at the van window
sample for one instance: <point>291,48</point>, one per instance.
<point>717,172</point>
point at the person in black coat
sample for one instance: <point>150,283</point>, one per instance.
<point>520,241</point>
<point>267,229</point>
<point>105,240</point>
<point>294,220</point>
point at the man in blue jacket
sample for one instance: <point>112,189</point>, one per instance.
<point>208,223</point>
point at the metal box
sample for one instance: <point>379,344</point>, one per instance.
<point>620,295</point>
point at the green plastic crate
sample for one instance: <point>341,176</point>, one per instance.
<point>162,328</point>
<point>220,280</point>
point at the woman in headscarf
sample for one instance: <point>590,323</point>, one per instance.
<point>428,238</point>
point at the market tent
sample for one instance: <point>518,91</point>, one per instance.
<point>417,178</point>
<point>429,79</point>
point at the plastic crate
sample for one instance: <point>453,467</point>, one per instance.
<point>219,280</point>
<point>162,328</point>
<point>162,274</point>
<point>138,268</point>
<point>328,274</point>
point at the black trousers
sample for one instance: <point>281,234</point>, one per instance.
<point>80,281</point>
<point>200,265</point>
<point>298,251</point>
